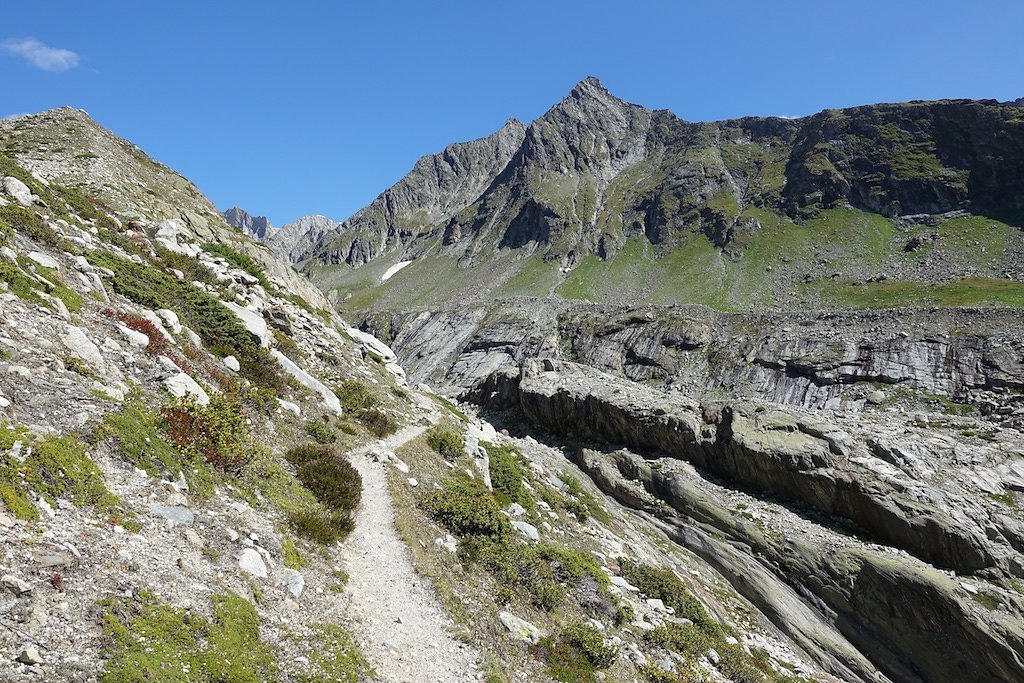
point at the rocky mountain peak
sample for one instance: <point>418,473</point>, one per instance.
<point>257,226</point>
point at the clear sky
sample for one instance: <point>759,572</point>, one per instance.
<point>302,107</point>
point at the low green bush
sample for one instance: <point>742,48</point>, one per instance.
<point>447,442</point>
<point>29,224</point>
<point>577,654</point>
<point>507,475</point>
<point>663,584</point>
<point>220,329</point>
<point>355,396</point>
<point>320,524</point>
<point>465,507</point>
<point>328,475</point>
<point>216,433</point>
<point>321,432</point>
<point>377,422</point>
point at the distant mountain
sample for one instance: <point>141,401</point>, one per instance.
<point>691,212</point>
<point>257,226</point>
<point>1019,102</point>
<point>295,238</point>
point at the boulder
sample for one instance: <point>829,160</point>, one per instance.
<point>18,191</point>
<point>182,385</point>
<point>45,260</point>
<point>253,322</point>
<point>520,628</point>
<point>251,562</point>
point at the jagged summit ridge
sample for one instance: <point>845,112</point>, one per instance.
<point>259,227</point>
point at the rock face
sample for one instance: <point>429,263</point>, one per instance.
<point>928,503</point>
<point>296,238</point>
<point>810,360</point>
<point>438,186</point>
<point>259,227</point>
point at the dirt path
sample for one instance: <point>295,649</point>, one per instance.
<point>397,619</point>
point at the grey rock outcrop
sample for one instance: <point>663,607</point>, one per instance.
<point>259,227</point>
<point>831,472</point>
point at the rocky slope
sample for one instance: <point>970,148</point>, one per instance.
<point>837,519</point>
<point>154,372</point>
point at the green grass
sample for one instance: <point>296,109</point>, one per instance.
<point>535,278</point>
<point>334,657</point>
<point>292,557</point>
<point>978,291</point>
<point>152,641</point>
<point>57,467</point>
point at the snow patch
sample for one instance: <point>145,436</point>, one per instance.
<point>393,269</point>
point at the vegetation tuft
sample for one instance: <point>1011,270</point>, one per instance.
<point>152,641</point>
<point>446,441</point>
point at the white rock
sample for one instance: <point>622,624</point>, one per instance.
<point>250,561</point>
<point>45,260</point>
<point>526,529</point>
<point>290,407</point>
<point>253,322</point>
<point>170,319</point>
<point>520,628</point>
<point>76,341</point>
<point>182,385</point>
<point>231,363</point>
<point>136,339</point>
<point>413,482</point>
<point>447,542</point>
<point>18,191</point>
<point>30,656</point>
<point>292,580</point>
<point>515,510</point>
<point>330,401</point>
<point>15,585</point>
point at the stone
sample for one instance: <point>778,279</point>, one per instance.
<point>18,191</point>
<point>192,537</point>
<point>231,363</point>
<point>78,343</point>
<point>182,385</point>
<point>329,400</point>
<point>170,319</point>
<point>526,529</point>
<point>31,656</point>
<point>253,322</point>
<point>293,581</point>
<point>16,585</point>
<point>44,260</point>
<point>292,408</point>
<point>133,337</point>
<point>447,542</point>
<point>520,628</point>
<point>251,562</point>
<point>876,398</point>
<point>178,514</point>
<point>515,510</point>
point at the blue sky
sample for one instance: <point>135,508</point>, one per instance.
<point>305,107</point>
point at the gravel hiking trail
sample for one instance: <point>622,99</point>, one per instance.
<point>397,619</point>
